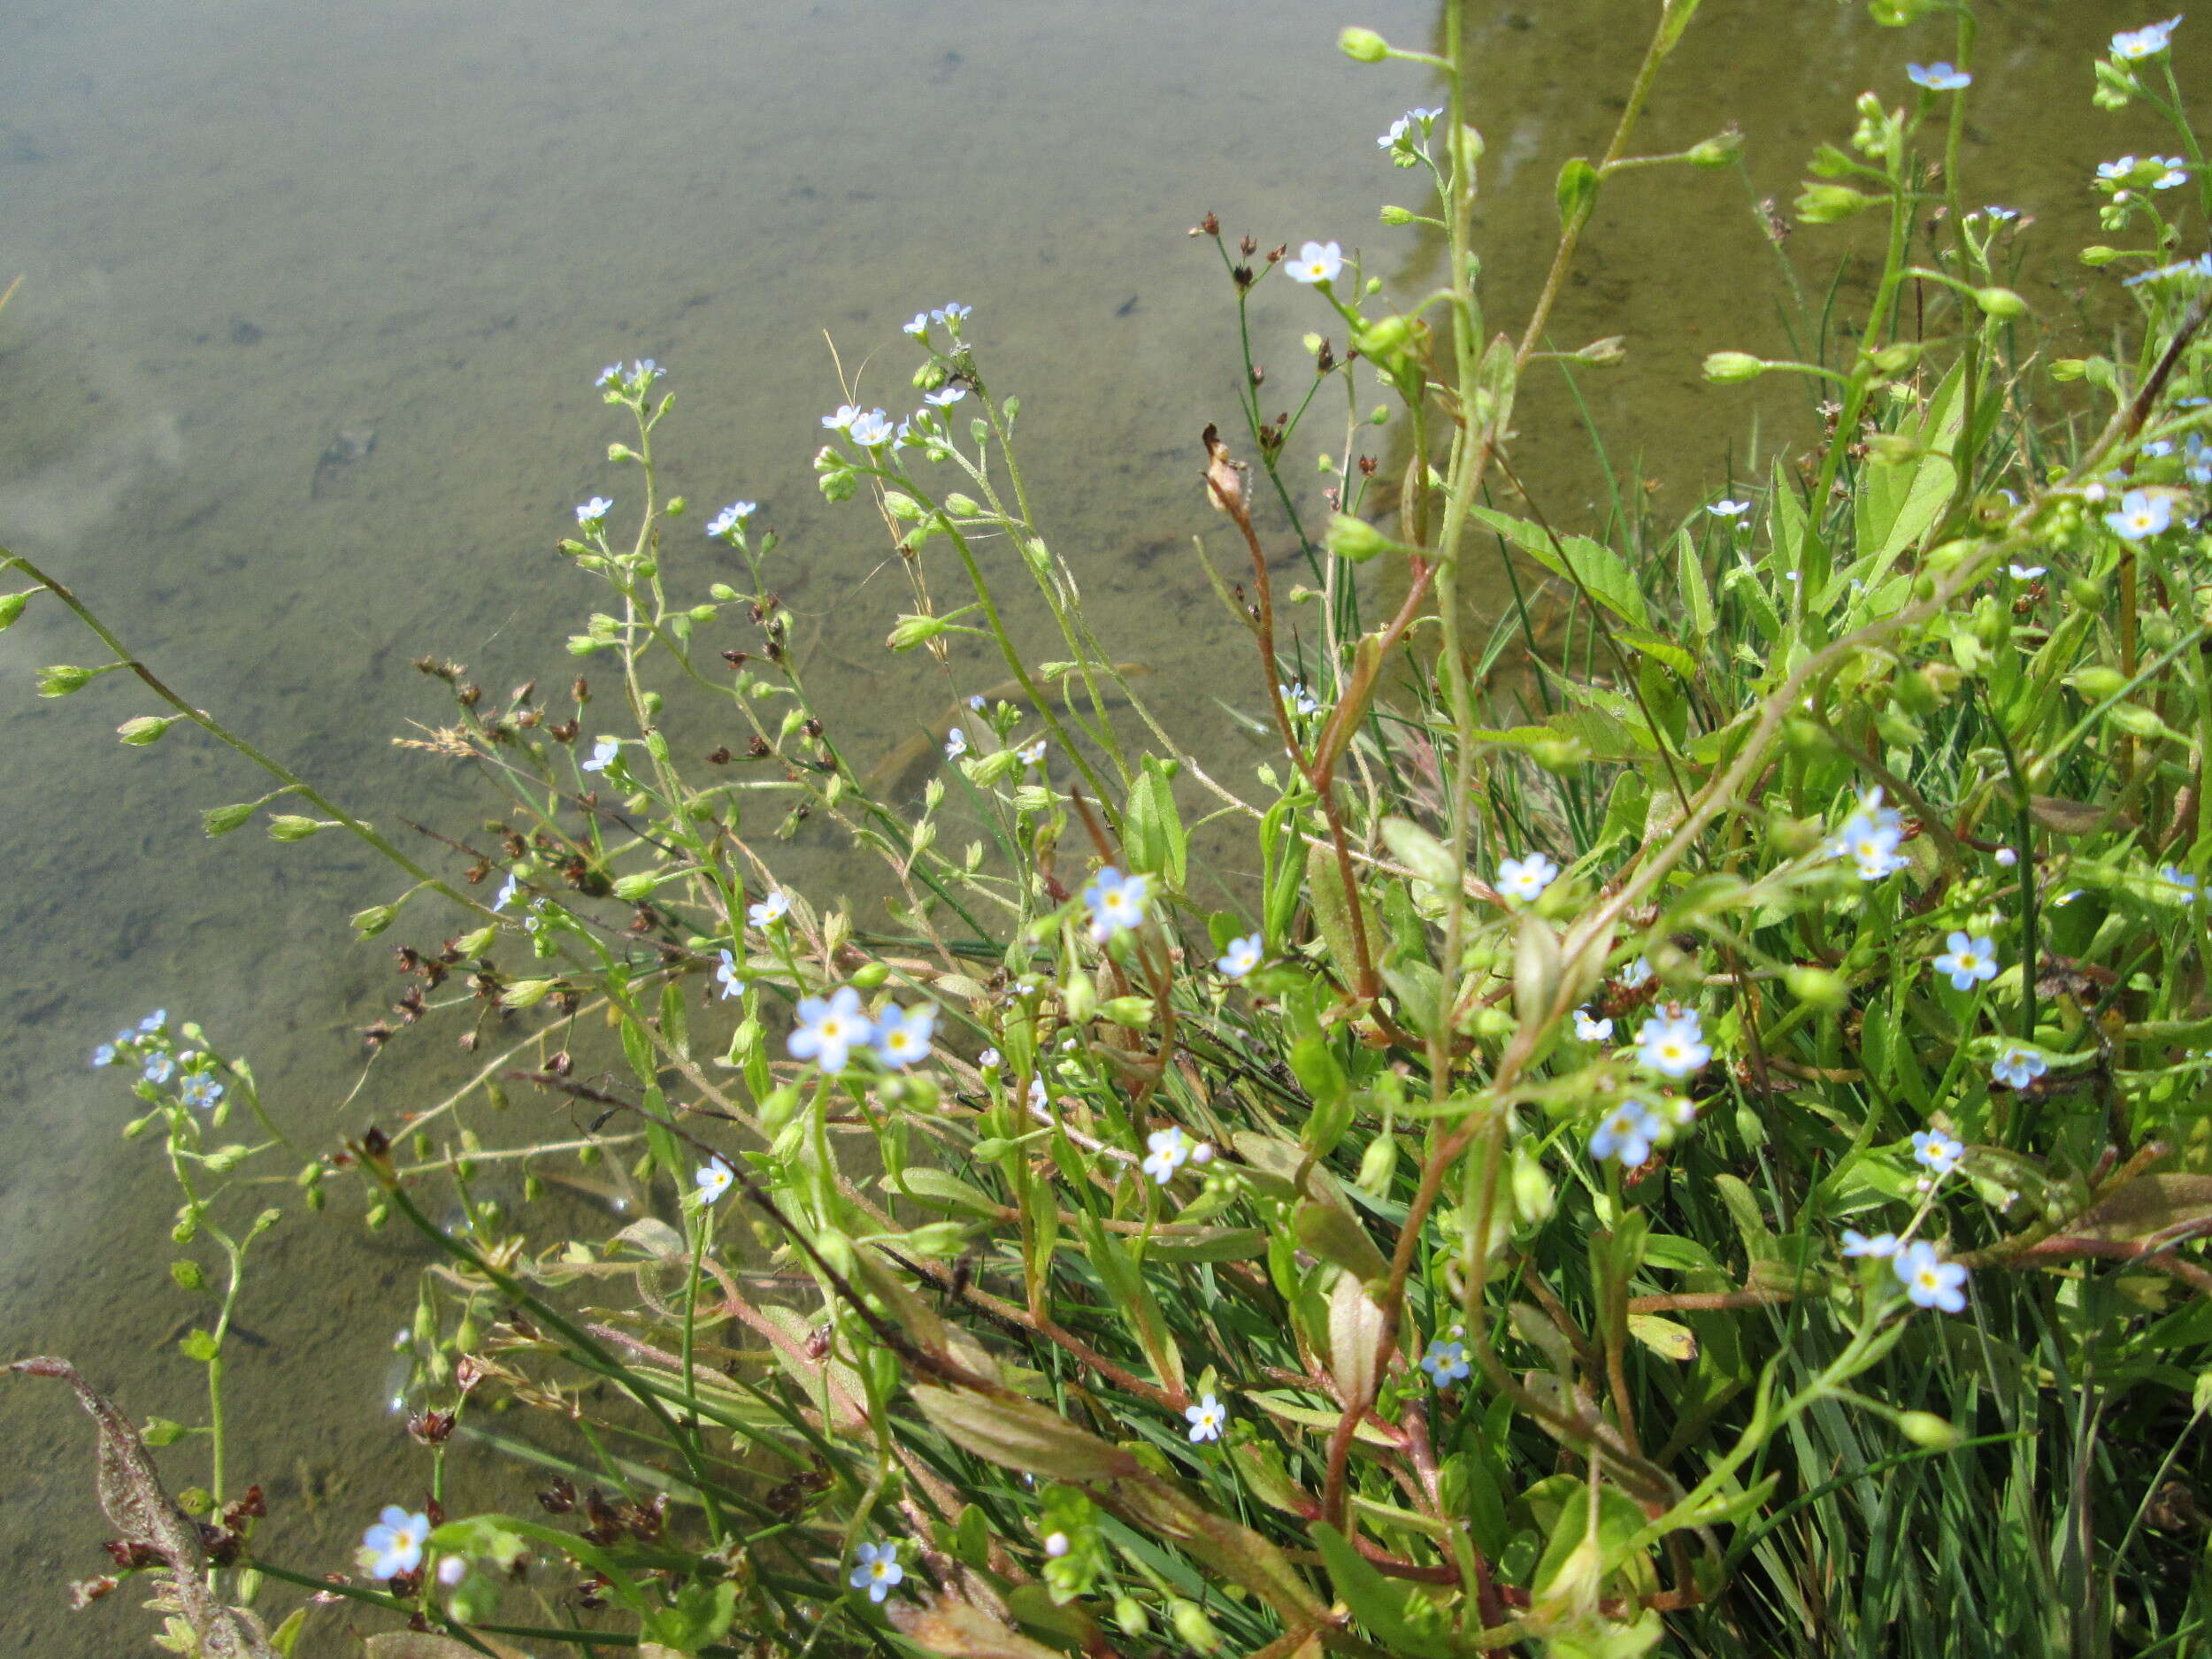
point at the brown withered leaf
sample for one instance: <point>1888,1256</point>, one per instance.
<point>958,1631</point>
<point>2146,1206</point>
<point>136,1505</point>
<point>2074,818</point>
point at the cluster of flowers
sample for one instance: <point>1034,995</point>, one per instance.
<point>147,1045</point>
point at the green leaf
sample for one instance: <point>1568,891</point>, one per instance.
<point>1335,1235</point>
<point>1420,852</point>
<point>1576,189</point>
<point>1375,1602</point>
<point>1333,911</point>
<point>1126,1288</point>
<point>1588,564</point>
<point>1663,1336</point>
<point>1015,1434</point>
<point>941,1191</point>
<point>1152,832</point>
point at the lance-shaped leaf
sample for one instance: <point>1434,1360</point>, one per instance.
<point>1015,1434</point>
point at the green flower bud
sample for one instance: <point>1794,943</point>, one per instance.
<point>1396,215</point>
<point>1817,987</point>
<point>1129,1616</point>
<point>375,920</point>
<point>1384,338</point>
<point>631,888</point>
<point>1079,997</point>
<point>902,505</point>
<point>1925,1428</point>
<point>962,506</point>
<point>1353,538</point>
<point>912,630</point>
<point>290,826</point>
<point>1826,204</point>
<point>161,1432</point>
<point>620,452</point>
<point>1363,46</point>
<point>1192,1624</point>
<point>188,1275</point>
<point>869,975</point>
<point>1612,348</point>
<point>1726,368</point>
<point>1135,1012</point>
<point>146,728</point>
<point>11,607</point>
<point>2000,303</point>
<point>1716,151</point>
<point>1533,1197</point>
<point>64,678</point>
<point>2098,254</point>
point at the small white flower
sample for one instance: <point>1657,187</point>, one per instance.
<point>830,1028</point>
<point>1240,956</point>
<point>2024,572</point>
<point>989,1057</point>
<point>2148,41</point>
<point>975,702</point>
<point>1726,508</point>
<point>2018,1067</point>
<point>774,908</point>
<point>394,1544</point>
<point>1928,1279</point>
<point>2007,857</point>
<point>1115,901</point>
<point>714,1180</point>
<point>731,517</point>
<point>1207,1419</point>
<point>876,1569</point>
<point>1936,1152</point>
<point>871,430</point>
<point>1301,702</point>
<point>946,397</point>
<point>1970,959</point>
<point>1673,1043</point>
<point>608,376</point>
<point>902,1036</point>
<point>956,743</point>
<point>1057,1545</point>
<point>1857,1244</point>
<point>1170,1149</point>
<point>1589,1028</point>
<point>842,421</point>
<point>1446,1362</point>
<point>1525,878</point>
<point>919,326</point>
<point>728,977</point>
<point>1316,262</point>
<point>1034,755</point>
<point>602,753</point>
<point>1626,1132</point>
<point>591,513</point>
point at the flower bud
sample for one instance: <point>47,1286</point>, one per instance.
<point>1817,987</point>
<point>2098,254</point>
<point>1363,46</point>
<point>1353,538</point>
<point>1612,348</point>
<point>1384,338</point>
<point>902,505</point>
<point>11,607</point>
<point>1396,215</point>
<point>1079,997</point>
<point>1129,1616</point>
<point>1716,151</point>
<point>146,728</point>
<point>911,630</point>
<point>1134,1012</point>
<point>1826,204</point>
<point>1726,368</point>
<point>64,678</point>
<point>2002,303</point>
<point>371,922</point>
<point>290,826</point>
<point>963,506</point>
<point>1198,1631</point>
<point>1925,1428</point>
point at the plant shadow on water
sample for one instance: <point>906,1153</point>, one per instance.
<point>297,384</point>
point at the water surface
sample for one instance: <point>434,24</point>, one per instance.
<point>253,233</point>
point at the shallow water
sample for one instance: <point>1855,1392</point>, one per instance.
<point>253,233</point>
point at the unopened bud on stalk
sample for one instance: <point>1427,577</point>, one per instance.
<point>1363,46</point>
<point>1612,348</point>
<point>1925,1428</point>
<point>1396,215</point>
<point>1726,368</point>
<point>2000,303</point>
<point>1716,151</point>
<point>1353,538</point>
